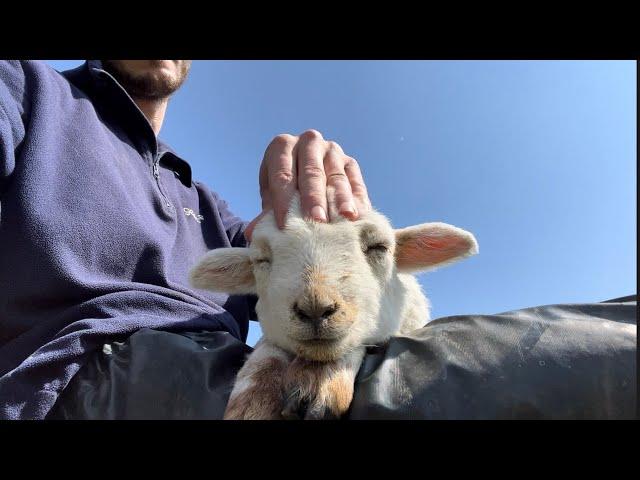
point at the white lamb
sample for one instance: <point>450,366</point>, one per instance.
<point>325,292</point>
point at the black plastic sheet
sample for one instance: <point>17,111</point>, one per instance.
<point>571,361</point>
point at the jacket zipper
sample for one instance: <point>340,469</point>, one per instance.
<point>156,173</point>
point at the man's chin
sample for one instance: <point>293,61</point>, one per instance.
<point>151,80</point>
<point>167,71</point>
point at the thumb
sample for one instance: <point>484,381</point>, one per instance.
<point>248,232</point>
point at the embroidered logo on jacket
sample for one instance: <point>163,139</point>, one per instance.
<point>188,211</point>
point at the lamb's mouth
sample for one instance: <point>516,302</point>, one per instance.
<point>319,349</point>
<point>318,341</point>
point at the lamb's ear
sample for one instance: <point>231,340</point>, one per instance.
<point>225,270</point>
<point>432,245</point>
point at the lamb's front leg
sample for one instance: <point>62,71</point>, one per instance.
<point>320,390</point>
<point>257,392</point>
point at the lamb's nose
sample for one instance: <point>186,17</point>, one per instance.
<point>314,313</point>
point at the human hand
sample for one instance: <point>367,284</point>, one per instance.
<point>329,181</point>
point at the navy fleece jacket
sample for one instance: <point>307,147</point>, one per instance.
<point>99,225</point>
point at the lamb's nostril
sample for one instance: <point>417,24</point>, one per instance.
<point>314,313</point>
<point>330,310</point>
<point>300,313</point>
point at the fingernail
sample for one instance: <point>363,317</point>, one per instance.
<point>349,208</point>
<point>318,214</point>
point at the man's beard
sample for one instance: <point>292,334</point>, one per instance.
<point>148,86</point>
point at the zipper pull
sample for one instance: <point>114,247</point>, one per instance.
<point>156,173</point>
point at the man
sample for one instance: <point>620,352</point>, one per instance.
<point>100,223</point>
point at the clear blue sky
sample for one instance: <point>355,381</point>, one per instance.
<point>536,158</point>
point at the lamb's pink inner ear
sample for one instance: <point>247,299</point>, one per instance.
<point>431,245</point>
<point>226,270</point>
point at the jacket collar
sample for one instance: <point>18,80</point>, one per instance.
<point>92,76</point>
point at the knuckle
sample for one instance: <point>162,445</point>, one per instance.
<point>338,178</point>
<point>283,140</point>
<point>334,147</point>
<point>282,177</point>
<point>351,162</point>
<point>311,134</point>
<point>313,171</point>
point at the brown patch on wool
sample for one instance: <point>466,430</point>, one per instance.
<point>319,294</point>
<point>325,386</point>
<point>263,399</point>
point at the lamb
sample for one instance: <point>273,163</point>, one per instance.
<point>325,292</point>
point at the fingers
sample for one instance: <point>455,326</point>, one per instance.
<point>339,195</point>
<point>248,232</point>
<point>330,183</point>
<point>265,196</point>
<point>358,188</point>
<point>312,180</point>
<point>278,173</point>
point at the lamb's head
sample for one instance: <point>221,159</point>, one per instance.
<point>322,287</point>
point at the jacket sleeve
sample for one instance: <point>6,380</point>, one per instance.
<point>234,226</point>
<point>13,100</point>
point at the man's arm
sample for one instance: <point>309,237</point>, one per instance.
<point>234,226</point>
<point>7,157</point>
<point>12,93</point>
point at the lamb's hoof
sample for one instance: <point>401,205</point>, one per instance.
<point>299,408</point>
<point>253,408</point>
<point>315,391</point>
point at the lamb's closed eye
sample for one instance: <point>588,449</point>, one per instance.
<point>380,247</point>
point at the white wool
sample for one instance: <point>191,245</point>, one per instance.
<point>381,301</point>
